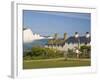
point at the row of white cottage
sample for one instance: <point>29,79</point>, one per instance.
<point>70,43</point>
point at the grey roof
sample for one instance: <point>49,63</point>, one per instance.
<point>71,39</point>
<point>82,39</point>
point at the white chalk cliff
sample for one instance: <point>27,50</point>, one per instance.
<point>29,36</point>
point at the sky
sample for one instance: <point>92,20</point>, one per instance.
<point>46,23</point>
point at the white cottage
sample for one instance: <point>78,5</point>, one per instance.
<point>68,43</point>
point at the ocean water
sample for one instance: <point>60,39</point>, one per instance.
<point>41,42</point>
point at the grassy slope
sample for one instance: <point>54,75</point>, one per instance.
<point>52,63</point>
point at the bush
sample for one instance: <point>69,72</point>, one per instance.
<point>85,52</point>
<point>43,53</point>
<point>71,53</point>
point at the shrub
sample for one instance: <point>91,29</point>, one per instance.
<point>85,52</point>
<point>43,53</point>
<point>71,53</point>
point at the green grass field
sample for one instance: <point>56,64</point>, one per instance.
<point>54,63</point>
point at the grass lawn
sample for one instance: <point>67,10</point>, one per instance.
<point>53,63</point>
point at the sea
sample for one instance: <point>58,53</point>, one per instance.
<point>41,42</point>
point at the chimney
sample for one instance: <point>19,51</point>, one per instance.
<point>76,35</point>
<point>65,36</point>
<point>55,36</point>
<point>87,34</point>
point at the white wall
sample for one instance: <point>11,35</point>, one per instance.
<point>5,40</point>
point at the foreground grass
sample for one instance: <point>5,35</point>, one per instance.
<point>53,63</point>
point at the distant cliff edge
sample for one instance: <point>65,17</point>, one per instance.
<point>28,36</point>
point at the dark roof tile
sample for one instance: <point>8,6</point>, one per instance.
<point>82,39</point>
